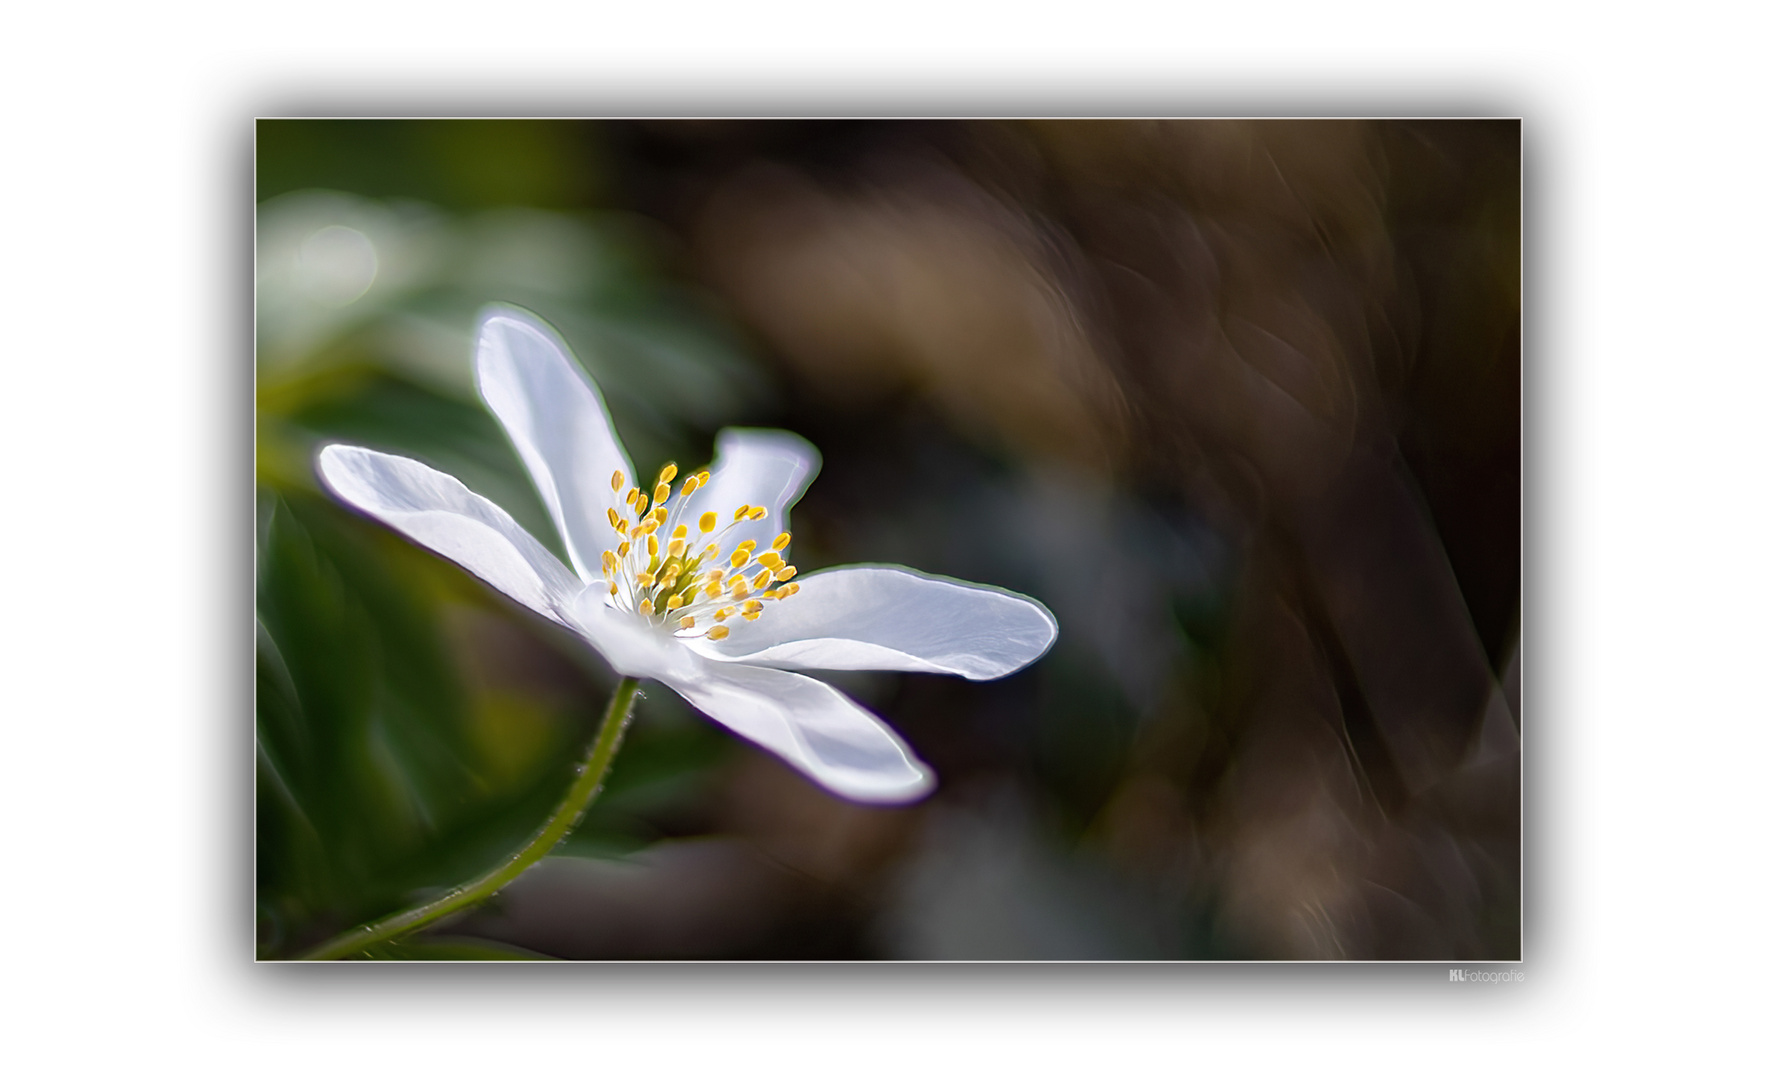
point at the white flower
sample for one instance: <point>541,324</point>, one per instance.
<point>690,587</point>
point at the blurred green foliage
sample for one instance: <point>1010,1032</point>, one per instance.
<point>412,727</point>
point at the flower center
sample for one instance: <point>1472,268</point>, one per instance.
<point>691,583</point>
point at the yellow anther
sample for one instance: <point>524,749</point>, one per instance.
<point>641,504</point>
<point>653,545</point>
<point>703,477</point>
<point>789,590</point>
<point>616,522</point>
<point>629,500</point>
<point>713,590</point>
<point>769,594</point>
<point>645,580</point>
<point>753,606</point>
<point>749,615</point>
<point>747,546</point>
<point>623,550</point>
<point>709,552</point>
<point>674,603</point>
<point>649,524</point>
<point>608,561</point>
<point>717,633</point>
<point>761,579</point>
<point>740,558</point>
<point>771,559</point>
<point>756,513</point>
<point>617,481</point>
<point>667,472</point>
<point>742,512</point>
<point>671,570</point>
<point>688,622</point>
<point>662,491</point>
<point>676,548</point>
<point>691,484</point>
<point>660,513</point>
<point>782,542</point>
<point>678,532</point>
<point>738,590</point>
<point>646,608</point>
<point>714,575</point>
<point>613,588</point>
<point>707,523</point>
<point>786,573</point>
<point>723,614</point>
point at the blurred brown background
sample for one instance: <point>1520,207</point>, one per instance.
<point>1238,400</point>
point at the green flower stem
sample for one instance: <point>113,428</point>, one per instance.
<point>567,815</point>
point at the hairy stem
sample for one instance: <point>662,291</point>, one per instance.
<point>567,815</point>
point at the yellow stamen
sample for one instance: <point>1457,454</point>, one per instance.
<point>717,633</point>
<point>616,522</point>
<point>617,481</point>
<point>786,573</point>
<point>629,500</point>
<point>646,608</point>
<point>688,622</point>
<point>723,614</point>
<point>645,580</point>
<point>661,491</point>
<point>713,590</point>
<point>674,603</point>
<point>691,484</point>
<point>707,523</point>
<point>756,513</point>
<point>676,548</point>
<point>678,532</point>
<point>771,559</point>
<point>623,550</point>
<point>740,558</point>
<point>641,504</point>
<point>753,606</point>
<point>742,512</point>
<point>609,562</point>
<point>667,472</point>
<point>761,579</point>
<point>782,542</point>
<point>654,546</point>
<point>613,588</point>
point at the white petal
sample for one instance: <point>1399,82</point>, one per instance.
<point>814,727</point>
<point>756,468</point>
<point>558,422</point>
<point>438,512</point>
<point>630,644</point>
<point>889,618</point>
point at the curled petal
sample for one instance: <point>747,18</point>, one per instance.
<point>558,423</point>
<point>755,467</point>
<point>438,512</point>
<point>814,727</point>
<point>889,618</point>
